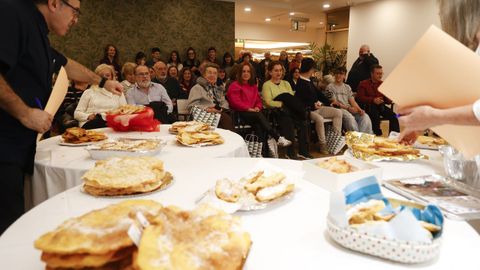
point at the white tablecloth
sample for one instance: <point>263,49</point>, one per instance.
<point>67,164</point>
<point>291,235</point>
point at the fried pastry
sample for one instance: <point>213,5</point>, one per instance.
<point>385,147</point>
<point>128,109</point>
<point>336,165</point>
<point>205,238</point>
<point>263,182</point>
<point>78,135</point>
<point>257,188</point>
<point>188,126</point>
<point>272,192</point>
<point>203,137</point>
<point>228,191</point>
<point>95,239</point>
<point>431,141</point>
<point>123,176</point>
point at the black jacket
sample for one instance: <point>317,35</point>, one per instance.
<point>360,71</point>
<point>308,94</point>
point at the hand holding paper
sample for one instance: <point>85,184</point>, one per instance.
<point>422,78</point>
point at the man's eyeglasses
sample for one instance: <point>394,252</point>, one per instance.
<point>76,10</point>
<point>142,74</point>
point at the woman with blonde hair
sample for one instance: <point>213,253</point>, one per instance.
<point>460,19</point>
<point>128,71</point>
<point>244,98</point>
<point>96,101</point>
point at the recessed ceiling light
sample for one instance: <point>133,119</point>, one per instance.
<point>291,13</point>
<point>247,9</point>
<point>326,5</point>
<point>267,19</point>
<point>321,22</point>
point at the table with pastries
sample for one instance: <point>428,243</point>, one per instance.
<point>66,164</point>
<point>291,234</point>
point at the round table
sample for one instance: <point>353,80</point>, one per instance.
<point>67,164</point>
<point>290,235</point>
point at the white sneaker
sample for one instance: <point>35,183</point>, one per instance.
<point>282,141</point>
<point>273,147</point>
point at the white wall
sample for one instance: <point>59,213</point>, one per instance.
<point>390,27</point>
<point>270,32</point>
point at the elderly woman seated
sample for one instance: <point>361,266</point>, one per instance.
<point>96,101</point>
<point>207,95</point>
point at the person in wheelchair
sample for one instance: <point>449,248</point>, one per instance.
<point>375,102</point>
<point>244,98</point>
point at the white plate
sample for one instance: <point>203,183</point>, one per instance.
<point>62,143</point>
<point>245,203</point>
<point>99,154</point>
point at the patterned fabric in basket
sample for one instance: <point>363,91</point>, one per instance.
<point>203,116</point>
<point>335,140</point>
<point>254,146</point>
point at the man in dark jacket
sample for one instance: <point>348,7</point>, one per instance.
<point>317,104</point>
<point>27,63</point>
<point>361,68</point>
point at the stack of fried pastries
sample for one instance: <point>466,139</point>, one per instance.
<point>96,240</point>
<point>189,126</point>
<point>198,138</point>
<point>78,135</point>
<point>385,147</point>
<point>205,238</point>
<point>128,109</point>
<point>124,176</point>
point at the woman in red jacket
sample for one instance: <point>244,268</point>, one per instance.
<point>244,98</point>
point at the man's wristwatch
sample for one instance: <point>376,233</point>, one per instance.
<point>102,83</point>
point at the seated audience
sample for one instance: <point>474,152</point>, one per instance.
<point>212,56</point>
<point>140,58</point>
<point>155,57</point>
<point>296,62</point>
<point>172,72</point>
<point>293,78</point>
<point>262,66</point>
<point>244,98</point>
<point>175,61</point>
<point>172,85</point>
<point>368,94</point>
<point>192,62</point>
<point>146,92</point>
<point>110,57</point>
<point>95,102</point>
<point>228,63</point>
<point>360,69</point>
<point>128,71</point>
<point>284,60</point>
<point>341,95</point>
<point>317,104</point>
<point>64,118</point>
<point>187,81</point>
<point>286,109</point>
<point>210,97</point>
<point>222,79</point>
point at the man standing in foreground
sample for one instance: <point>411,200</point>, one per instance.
<point>27,63</point>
